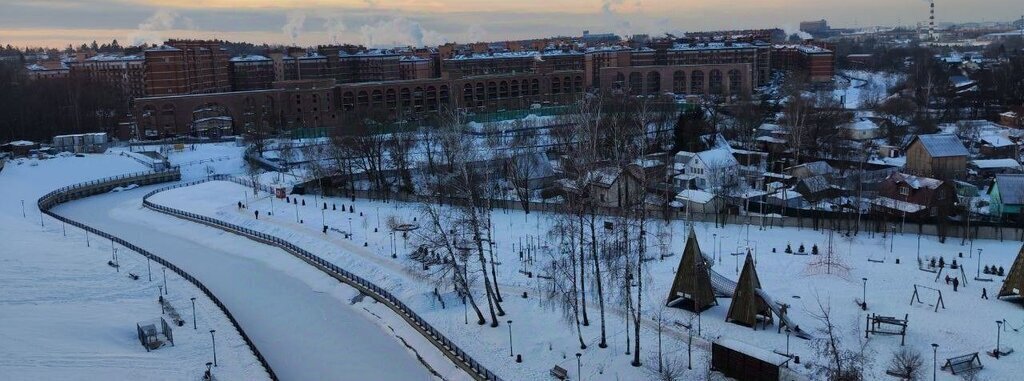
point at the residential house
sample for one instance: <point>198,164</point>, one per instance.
<point>941,156</point>
<point>995,146</point>
<point>697,202</point>
<point>861,129</point>
<point>816,188</point>
<point>914,196</point>
<point>805,170</point>
<point>985,169</point>
<point>713,169</point>
<point>1011,119</point>
<point>613,186</point>
<point>1007,195</point>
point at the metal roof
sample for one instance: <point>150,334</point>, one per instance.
<point>943,145</point>
<point>1011,188</point>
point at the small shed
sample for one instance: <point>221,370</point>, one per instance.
<point>746,362</point>
<point>154,333</point>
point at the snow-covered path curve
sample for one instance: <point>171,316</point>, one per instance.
<point>292,312</point>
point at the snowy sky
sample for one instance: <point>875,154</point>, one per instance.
<point>429,22</point>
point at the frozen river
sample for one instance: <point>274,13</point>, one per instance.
<point>300,319</point>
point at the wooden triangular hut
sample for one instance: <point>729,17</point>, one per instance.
<point>746,305</point>
<point>691,288</point>
<point>1014,282</point>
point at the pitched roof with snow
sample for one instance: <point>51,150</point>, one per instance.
<point>1011,188</point>
<point>916,182</point>
<point>943,145</point>
<point>816,184</point>
<point>996,163</point>
<point>694,195</point>
<point>717,158</point>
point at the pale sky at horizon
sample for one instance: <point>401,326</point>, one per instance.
<point>57,23</point>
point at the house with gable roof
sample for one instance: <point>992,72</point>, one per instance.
<point>942,156</point>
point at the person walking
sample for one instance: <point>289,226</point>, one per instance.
<point>984,293</point>
<point>956,283</point>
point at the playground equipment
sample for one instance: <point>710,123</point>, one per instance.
<point>917,297</point>
<point>746,308</point>
<point>1013,284</point>
<point>963,364</point>
<point>725,287</point>
<point>886,325</point>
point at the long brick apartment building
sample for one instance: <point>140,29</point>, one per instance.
<point>315,88</point>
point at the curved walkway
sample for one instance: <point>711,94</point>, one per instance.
<point>292,312</point>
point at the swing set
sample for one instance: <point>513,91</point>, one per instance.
<point>917,297</point>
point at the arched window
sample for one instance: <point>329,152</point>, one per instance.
<point>556,85</point>
<point>653,82</point>
<point>716,86</point>
<point>735,82</point>
<point>514,91</point>
<point>636,84</point>
<point>679,82</point>
<point>503,90</point>
<point>697,82</point>
<point>620,81</point>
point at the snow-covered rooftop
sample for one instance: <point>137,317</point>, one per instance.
<point>718,158</point>
<point>943,145</point>
<point>996,163</point>
<point>694,195</point>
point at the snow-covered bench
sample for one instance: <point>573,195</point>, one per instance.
<point>559,372</point>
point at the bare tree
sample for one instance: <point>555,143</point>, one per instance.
<point>841,364</point>
<point>906,364</point>
<point>452,264</point>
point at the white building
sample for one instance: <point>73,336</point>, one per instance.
<point>706,170</point>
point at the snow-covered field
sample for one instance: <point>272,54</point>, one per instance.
<point>541,334</point>
<point>66,314</point>
<point>865,86</point>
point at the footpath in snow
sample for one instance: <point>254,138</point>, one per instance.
<point>67,314</point>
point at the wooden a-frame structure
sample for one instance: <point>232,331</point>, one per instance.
<point>692,283</point>
<point>1014,282</point>
<point>746,305</point>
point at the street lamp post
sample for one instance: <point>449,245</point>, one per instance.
<point>579,367</point>
<point>165,280</point>
<point>935,360</point>
<point>714,245</point>
<point>149,269</point>
<point>979,264</point>
<point>892,236</point>
<point>999,329</point>
<point>510,338</point>
<point>194,313</point>
<point>864,295</point>
<point>213,341</point>
<point>787,341</point>
<point>350,228</point>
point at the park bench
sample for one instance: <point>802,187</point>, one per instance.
<point>559,372</point>
<point>962,364</point>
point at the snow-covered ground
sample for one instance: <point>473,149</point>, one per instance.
<point>308,326</point>
<point>66,314</point>
<point>541,334</point>
<point>865,86</point>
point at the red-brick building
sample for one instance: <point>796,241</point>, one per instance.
<point>124,72</point>
<point>817,62</point>
<point>186,67</point>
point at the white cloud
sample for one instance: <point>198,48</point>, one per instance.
<point>399,31</point>
<point>150,30</point>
